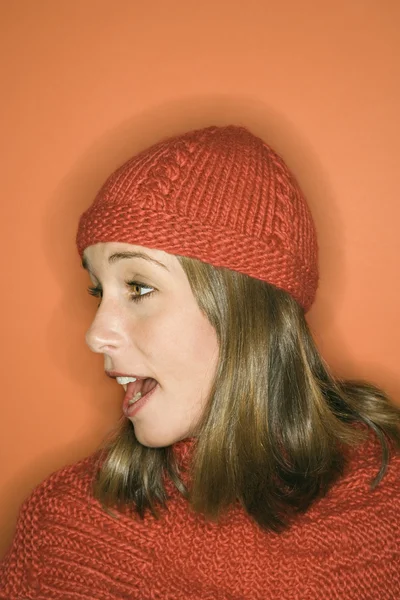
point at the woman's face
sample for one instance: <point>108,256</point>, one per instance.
<point>164,336</point>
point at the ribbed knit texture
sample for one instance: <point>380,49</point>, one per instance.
<point>218,194</point>
<point>346,547</point>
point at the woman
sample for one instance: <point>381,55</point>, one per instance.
<point>242,469</point>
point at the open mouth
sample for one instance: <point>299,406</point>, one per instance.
<point>138,389</point>
<point>137,393</point>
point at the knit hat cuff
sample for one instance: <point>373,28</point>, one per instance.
<point>176,234</point>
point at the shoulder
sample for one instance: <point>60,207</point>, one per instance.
<point>365,462</point>
<point>75,476</point>
<point>367,485</point>
<point>50,508</point>
<point>71,481</point>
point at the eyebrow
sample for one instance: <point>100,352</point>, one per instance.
<point>113,258</point>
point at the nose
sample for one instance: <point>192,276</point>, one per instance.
<point>106,332</point>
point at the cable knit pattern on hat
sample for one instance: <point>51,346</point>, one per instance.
<point>346,547</point>
<point>218,194</point>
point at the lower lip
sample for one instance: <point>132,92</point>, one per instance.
<point>132,409</point>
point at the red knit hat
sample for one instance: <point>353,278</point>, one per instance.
<point>218,194</point>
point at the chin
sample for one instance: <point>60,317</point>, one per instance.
<point>157,439</point>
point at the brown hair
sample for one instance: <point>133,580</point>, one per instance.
<point>273,431</point>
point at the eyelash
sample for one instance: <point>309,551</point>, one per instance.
<point>96,291</point>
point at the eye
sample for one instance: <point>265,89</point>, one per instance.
<point>135,286</point>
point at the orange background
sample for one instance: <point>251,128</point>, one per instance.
<point>86,83</point>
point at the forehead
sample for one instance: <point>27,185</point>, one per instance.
<point>110,253</point>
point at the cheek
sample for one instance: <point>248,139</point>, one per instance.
<point>194,347</point>
<point>177,339</point>
<point>204,343</point>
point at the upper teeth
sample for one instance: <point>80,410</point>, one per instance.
<point>123,380</point>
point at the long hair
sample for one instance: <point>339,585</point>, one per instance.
<point>274,429</point>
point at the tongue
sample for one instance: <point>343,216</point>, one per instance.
<point>140,385</point>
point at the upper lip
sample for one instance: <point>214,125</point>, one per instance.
<point>114,374</point>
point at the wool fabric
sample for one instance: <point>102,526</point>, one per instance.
<point>217,194</point>
<point>345,547</point>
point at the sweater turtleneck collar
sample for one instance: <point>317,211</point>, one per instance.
<point>183,452</point>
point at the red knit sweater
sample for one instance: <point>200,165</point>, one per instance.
<point>346,547</point>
